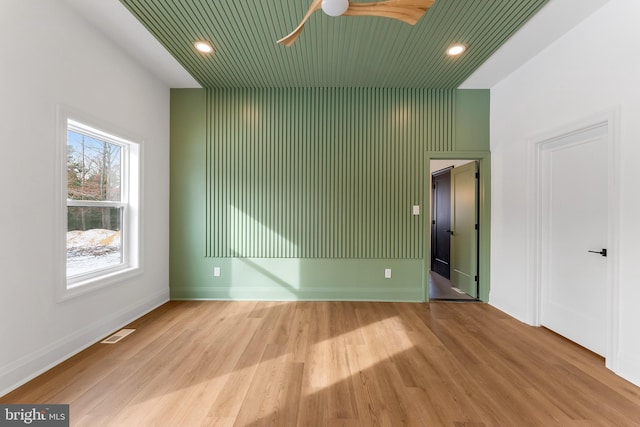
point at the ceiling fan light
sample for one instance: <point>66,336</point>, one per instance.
<point>335,7</point>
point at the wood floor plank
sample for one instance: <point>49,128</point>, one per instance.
<point>197,363</point>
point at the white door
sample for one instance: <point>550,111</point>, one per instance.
<point>464,233</point>
<point>574,212</point>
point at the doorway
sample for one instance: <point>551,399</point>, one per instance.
<point>453,272</point>
<point>574,240</point>
<point>574,233</point>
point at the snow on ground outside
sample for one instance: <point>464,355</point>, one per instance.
<point>92,250</point>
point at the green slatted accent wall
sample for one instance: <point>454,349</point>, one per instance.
<point>320,172</point>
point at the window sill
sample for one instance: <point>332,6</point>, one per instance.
<point>95,283</point>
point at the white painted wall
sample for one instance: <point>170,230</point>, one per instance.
<point>50,55</point>
<point>592,68</point>
<point>556,18</point>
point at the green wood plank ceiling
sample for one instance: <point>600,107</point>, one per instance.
<point>331,52</point>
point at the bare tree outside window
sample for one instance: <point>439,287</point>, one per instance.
<point>94,195</point>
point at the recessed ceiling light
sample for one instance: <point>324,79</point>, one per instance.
<point>456,50</point>
<point>204,47</point>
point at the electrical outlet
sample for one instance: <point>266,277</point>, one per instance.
<point>387,273</point>
<point>216,271</point>
<point>416,209</point>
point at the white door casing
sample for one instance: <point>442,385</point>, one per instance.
<point>570,290</point>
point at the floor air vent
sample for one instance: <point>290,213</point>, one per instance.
<point>117,336</point>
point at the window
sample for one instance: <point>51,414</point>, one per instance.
<point>101,193</point>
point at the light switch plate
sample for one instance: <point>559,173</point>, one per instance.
<point>216,271</point>
<point>387,273</point>
<point>416,209</point>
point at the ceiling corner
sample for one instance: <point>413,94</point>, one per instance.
<point>554,20</point>
<point>112,19</point>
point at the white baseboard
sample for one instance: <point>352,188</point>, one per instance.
<point>30,366</point>
<point>628,367</point>
<point>507,310</point>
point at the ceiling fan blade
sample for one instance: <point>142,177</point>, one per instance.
<point>290,38</point>
<point>409,11</point>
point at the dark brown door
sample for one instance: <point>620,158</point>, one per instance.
<point>441,223</point>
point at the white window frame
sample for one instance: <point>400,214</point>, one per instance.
<point>131,165</point>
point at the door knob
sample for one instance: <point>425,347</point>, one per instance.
<point>449,231</point>
<point>603,252</point>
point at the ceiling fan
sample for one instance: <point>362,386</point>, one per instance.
<point>409,11</point>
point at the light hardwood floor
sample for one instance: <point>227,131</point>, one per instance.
<point>335,364</point>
